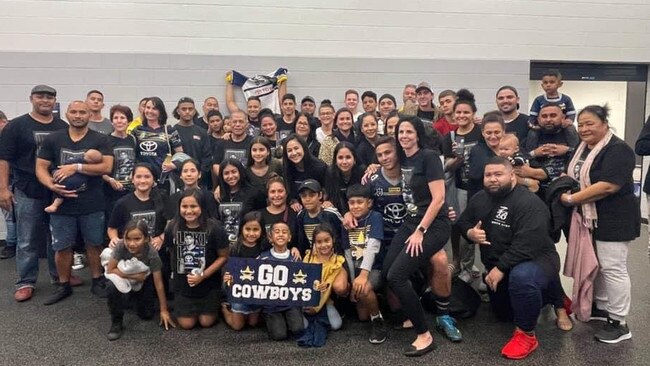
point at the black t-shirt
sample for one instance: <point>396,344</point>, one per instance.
<point>417,171</point>
<point>123,163</point>
<point>19,142</point>
<point>284,129</point>
<point>195,249</point>
<point>427,117</point>
<point>226,149</point>
<point>464,144</point>
<point>268,219</point>
<point>129,207</point>
<point>198,121</point>
<point>275,166</point>
<point>59,149</point>
<point>478,157</point>
<point>519,127</point>
<point>619,217</point>
<point>196,144</point>
<point>208,204</point>
<point>317,172</point>
<point>366,152</point>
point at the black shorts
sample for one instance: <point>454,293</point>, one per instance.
<point>194,306</point>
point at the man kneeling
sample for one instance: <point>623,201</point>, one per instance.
<point>512,226</point>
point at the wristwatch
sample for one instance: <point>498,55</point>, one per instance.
<point>422,229</point>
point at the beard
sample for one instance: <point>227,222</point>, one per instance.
<point>500,192</point>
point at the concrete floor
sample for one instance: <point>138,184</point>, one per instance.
<point>73,332</point>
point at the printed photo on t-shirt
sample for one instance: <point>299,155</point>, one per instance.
<point>358,238</point>
<point>238,154</point>
<point>230,217</point>
<point>190,251</point>
<point>148,216</point>
<point>124,163</point>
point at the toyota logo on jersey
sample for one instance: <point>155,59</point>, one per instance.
<point>148,148</point>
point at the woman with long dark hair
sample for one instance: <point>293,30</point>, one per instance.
<point>344,172</point>
<point>299,165</point>
<point>156,141</point>
<point>425,230</point>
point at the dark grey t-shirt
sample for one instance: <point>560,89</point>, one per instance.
<point>149,256</point>
<point>105,127</point>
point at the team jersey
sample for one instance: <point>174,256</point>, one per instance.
<point>388,200</point>
<point>264,87</point>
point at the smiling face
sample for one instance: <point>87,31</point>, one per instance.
<point>386,156</point>
<point>190,175</point>
<point>550,118</point>
<point>43,103</point>
<point>424,98</point>
<point>386,105</point>
<point>390,125</point>
<point>324,244</point>
<point>463,115</point>
<point>295,152</point>
<point>507,101</point>
<point>369,127</point>
<point>142,180</point>
<point>326,115</point>
<point>591,128</point>
<point>253,108</point>
<point>268,127</point>
<point>345,160</point>
<point>492,133</point>
<point>351,101</point>
<point>369,104</point>
<point>259,153</point>
<point>288,107</point>
<point>231,176</point>
<point>151,113</point>
<point>251,233</point>
<point>280,236</point>
<point>407,136</point>
<point>359,206</point>
<point>277,194</point>
<point>409,94</point>
<point>190,210</point>
<point>302,127</point>
<point>344,121</point>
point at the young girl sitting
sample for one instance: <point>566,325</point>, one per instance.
<point>199,248</point>
<point>136,244</point>
<point>334,277</point>
<point>281,320</point>
<point>249,245</point>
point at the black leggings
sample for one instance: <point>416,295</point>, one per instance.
<point>399,266</point>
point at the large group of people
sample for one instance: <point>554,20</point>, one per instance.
<point>372,191</point>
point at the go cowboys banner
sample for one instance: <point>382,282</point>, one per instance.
<point>274,283</point>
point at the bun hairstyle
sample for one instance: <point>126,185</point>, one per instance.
<point>464,96</point>
<point>602,112</point>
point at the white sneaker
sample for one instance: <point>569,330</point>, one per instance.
<point>79,261</point>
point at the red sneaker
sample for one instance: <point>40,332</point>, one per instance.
<point>520,345</point>
<point>23,294</point>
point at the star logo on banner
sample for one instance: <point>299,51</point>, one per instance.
<point>246,274</point>
<point>299,277</point>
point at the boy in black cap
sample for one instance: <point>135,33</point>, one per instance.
<point>313,213</point>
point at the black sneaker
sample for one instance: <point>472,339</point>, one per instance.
<point>98,287</point>
<point>62,291</point>
<point>7,252</point>
<point>613,332</point>
<point>116,330</point>
<point>598,314</point>
<point>377,331</point>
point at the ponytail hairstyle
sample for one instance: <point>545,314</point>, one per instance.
<point>602,112</point>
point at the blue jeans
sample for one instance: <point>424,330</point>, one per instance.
<point>30,219</point>
<point>521,295</point>
<point>11,228</point>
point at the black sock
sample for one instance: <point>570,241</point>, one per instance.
<point>442,305</point>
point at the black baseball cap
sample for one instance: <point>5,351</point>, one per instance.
<point>311,185</point>
<point>306,99</point>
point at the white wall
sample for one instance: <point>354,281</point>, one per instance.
<point>584,93</point>
<point>125,78</point>
<point>579,30</point>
